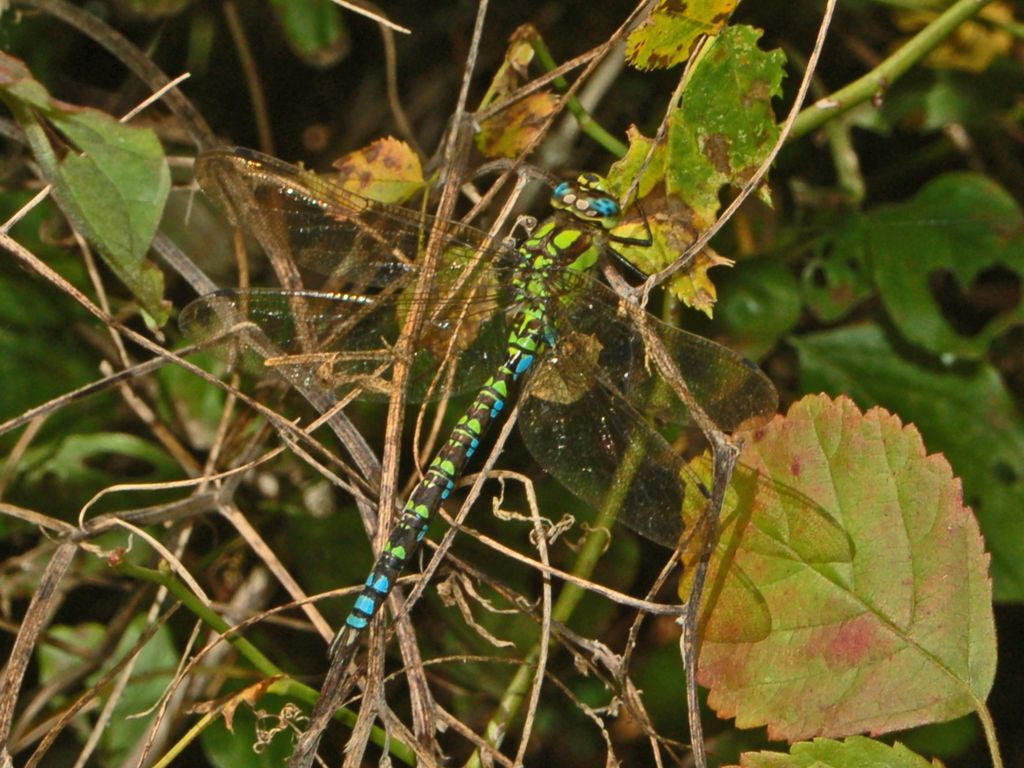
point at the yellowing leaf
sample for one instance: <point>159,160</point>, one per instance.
<point>387,170</point>
<point>671,226</point>
<point>227,705</point>
<point>717,137</point>
<point>511,130</point>
<point>513,71</point>
<point>974,45</point>
<point>667,36</point>
<point>666,221</point>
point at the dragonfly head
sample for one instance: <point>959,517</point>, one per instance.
<point>588,199</point>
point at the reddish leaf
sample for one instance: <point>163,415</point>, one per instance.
<point>901,635</point>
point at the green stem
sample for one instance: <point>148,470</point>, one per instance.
<point>878,80</point>
<point>286,686</point>
<point>587,123</point>
<point>989,728</point>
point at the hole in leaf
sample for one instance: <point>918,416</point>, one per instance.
<point>993,291</point>
<point>1005,473</point>
<point>818,276</point>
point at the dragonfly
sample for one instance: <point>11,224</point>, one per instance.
<point>497,317</point>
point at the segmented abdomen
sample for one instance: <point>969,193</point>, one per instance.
<point>525,342</point>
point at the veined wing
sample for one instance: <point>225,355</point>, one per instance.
<point>731,389</point>
<point>585,418</point>
<point>346,342</point>
<point>300,217</point>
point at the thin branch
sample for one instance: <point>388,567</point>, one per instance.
<point>881,78</point>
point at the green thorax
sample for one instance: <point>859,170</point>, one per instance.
<point>569,241</point>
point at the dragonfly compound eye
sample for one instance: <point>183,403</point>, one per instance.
<point>605,206</point>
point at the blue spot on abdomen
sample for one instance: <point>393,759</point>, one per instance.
<point>365,605</point>
<point>524,364</point>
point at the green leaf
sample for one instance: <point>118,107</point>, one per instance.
<point>72,469</point>
<point>760,303</point>
<point>966,414</point>
<point>718,137</point>
<point>854,752</point>
<point>904,633</point>
<point>725,126</point>
<point>263,738</point>
<point>948,740</point>
<point>197,406</point>
<point>153,671</point>
<point>315,30</point>
<point>933,101</point>
<point>668,34</point>
<point>835,279</point>
<point>39,364</point>
<point>959,226</point>
<point>973,44</point>
<point>111,180</point>
<point>41,354</point>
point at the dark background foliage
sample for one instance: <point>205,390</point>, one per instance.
<point>823,295</point>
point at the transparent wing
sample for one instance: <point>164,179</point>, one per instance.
<point>301,218</point>
<point>344,335</point>
<point>601,449</point>
<point>346,342</point>
<point>585,414</point>
<point>763,517</point>
<point>731,389</point>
